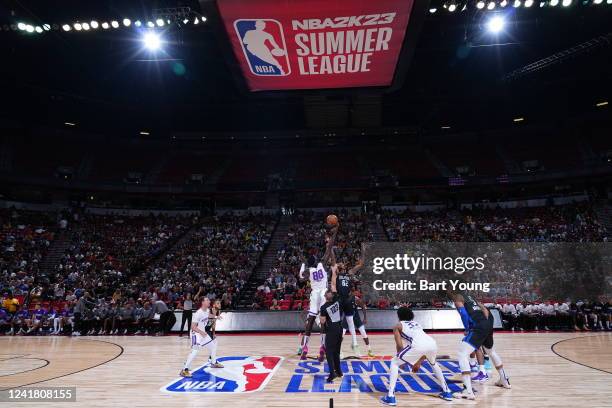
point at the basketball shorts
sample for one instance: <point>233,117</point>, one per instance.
<point>413,353</point>
<point>347,306</point>
<point>481,334</point>
<point>199,341</point>
<point>317,298</point>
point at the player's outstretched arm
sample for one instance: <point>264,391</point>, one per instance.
<point>334,277</point>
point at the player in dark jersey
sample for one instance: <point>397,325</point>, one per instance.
<point>331,318</point>
<point>479,321</point>
<point>357,303</point>
<point>343,282</point>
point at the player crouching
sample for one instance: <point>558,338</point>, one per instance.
<point>420,346</point>
<point>202,337</point>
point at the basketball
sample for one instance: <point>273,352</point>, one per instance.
<point>278,52</point>
<point>331,220</point>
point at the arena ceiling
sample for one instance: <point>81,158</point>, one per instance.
<point>103,80</point>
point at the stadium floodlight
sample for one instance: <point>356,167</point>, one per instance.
<point>105,25</point>
<point>491,5</point>
<point>46,27</point>
<point>528,3</point>
<point>38,29</point>
<point>21,26</point>
<point>150,24</point>
<point>127,22</point>
<point>433,10</point>
<point>554,3</point>
<point>203,19</point>
<point>597,1</point>
<point>185,21</point>
<point>566,3</point>
<point>77,26</point>
<point>516,4</point>
<point>503,3</point>
<point>480,5</point>
<point>30,28</point>
<point>115,24</point>
<point>452,7</point>
<point>85,26</point>
<point>66,27</point>
<point>160,22</point>
<point>94,24</point>
<point>196,21</point>
<point>151,41</point>
<point>496,24</point>
<point>137,23</point>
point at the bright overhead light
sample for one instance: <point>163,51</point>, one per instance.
<point>566,3</point>
<point>554,3</point>
<point>151,41</point>
<point>491,5</point>
<point>94,24</point>
<point>203,19</point>
<point>66,27</point>
<point>597,1</point>
<point>496,24</point>
<point>127,22</point>
<point>602,103</point>
<point>144,133</point>
<point>159,22</point>
<point>196,21</point>
<point>46,27</point>
<point>516,4</point>
<point>150,24</point>
<point>445,127</point>
<point>137,23</point>
<point>520,119</point>
<point>29,28</point>
<point>69,124</point>
<point>85,26</point>
<point>452,7</point>
<point>77,26</point>
<point>433,10</point>
<point>115,24</point>
<point>503,3</point>
<point>21,26</point>
<point>480,5</point>
<point>39,29</point>
<point>528,3</point>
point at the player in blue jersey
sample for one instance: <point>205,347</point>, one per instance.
<point>479,321</point>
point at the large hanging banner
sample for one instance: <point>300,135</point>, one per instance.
<point>316,44</point>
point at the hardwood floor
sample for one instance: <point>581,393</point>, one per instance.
<point>546,369</point>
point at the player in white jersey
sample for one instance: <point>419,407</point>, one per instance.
<point>201,337</point>
<point>419,347</point>
<point>318,287</point>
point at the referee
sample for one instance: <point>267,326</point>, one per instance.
<point>331,319</point>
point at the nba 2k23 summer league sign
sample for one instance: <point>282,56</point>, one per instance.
<point>239,375</point>
<point>313,44</point>
<point>371,376</point>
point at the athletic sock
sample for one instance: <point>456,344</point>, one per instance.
<point>213,350</point>
<point>351,326</point>
<point>482,369</point>
<point>190,358</point>
<point>322,339</point>
<point>305,340</point>
<point>502,375</point>
<point>467,382</point>
<point>441,380</point>
<point>393,379</point>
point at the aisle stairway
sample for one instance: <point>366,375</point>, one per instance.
<point>57,249</point>
<point>377,230</point>
<point>267,261</point>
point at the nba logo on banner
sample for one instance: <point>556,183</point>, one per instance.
<point>239,375</point>
<point>264,47</point>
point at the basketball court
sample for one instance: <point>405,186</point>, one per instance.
<point>546,369</point>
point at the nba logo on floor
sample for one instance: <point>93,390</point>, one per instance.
<point>239,375</point>
<point>264,47</point>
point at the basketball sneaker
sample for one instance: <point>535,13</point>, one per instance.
<point>465,394</point>
<point>304,355</point>
<point>216,364</point>
<point>503,384</point>
<point>481,377</point>
<point>387,400</point>
<point>474,368</point>
<point>185,373</point>
<point>299,352</point>
<point>370,353</point>
<point>322,354</point>
<point>446,396</point>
